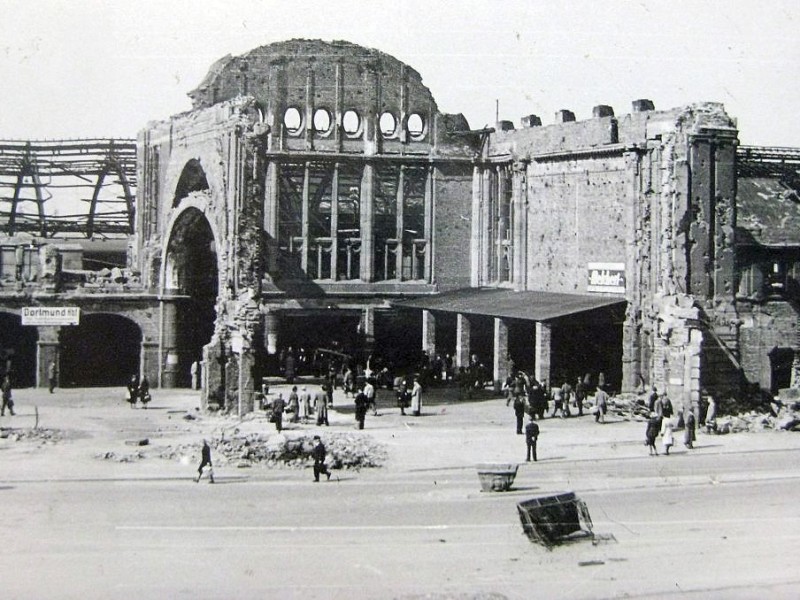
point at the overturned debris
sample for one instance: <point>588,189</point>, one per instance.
<point>552,520</point>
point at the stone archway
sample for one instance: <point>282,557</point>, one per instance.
<point>191,270</point>
<point>18,350</point>
<point>103,350</point>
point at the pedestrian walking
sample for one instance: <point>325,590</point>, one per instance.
<point>369,392</point>
<point>531,437</point>
<point>321,405</point>
<point>52,375</point>
<point>361,407</point>
<point>8,402</point>
<point>194,371</point>
<point>580,395</point>
<point>133,390</point>
<point>319,459</point>
<point>667,438</point>
<point>305,403</point>
<point>566,398</point>
<point>651,433</point>
<point>294,405</point>
<point>519,411</point>
<point>557,403</point>
<point>689,436</point>
<point>601,405</point>
<point>416,398</point>
<point>403,397</point>
<point>205,461</point>
<point>144,391</point>
<point>276,417</point>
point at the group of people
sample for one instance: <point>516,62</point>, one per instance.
<point>660,421</point>
<point>139,391</point>
<point>532,397</point>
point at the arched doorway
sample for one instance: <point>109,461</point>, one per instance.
<point>102,351</point>
<point>18,350</point>
<point>191,270</point>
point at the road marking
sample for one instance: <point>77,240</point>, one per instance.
<point>309,528</point>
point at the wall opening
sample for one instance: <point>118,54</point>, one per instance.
<point>192,262</point>
<point>781,360</point>
<point>17,350</point>
<point>102,351</point>
<point>193,179</point>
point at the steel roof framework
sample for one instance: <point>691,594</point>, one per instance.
<point>39,178</point>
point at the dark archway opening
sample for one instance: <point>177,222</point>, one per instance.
<point>193,179</point>
<point>589,342</point>
<point>102,351</point>
<point>17,350</point>
<point>522,344</point>
<point>192,252</point>
<point>781,361</point>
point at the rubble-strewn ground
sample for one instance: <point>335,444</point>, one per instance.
<point>101,499</point>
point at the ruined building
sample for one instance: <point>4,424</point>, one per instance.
<point>316,197</point>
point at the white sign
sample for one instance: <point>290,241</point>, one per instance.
<point>51,315</point>
<point>607,277</point>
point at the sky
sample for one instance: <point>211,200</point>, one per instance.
<point>105,68</point>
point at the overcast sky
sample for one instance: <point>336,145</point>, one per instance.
<point>103,68</point>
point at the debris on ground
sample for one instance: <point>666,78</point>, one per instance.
<point>273,450</point>
<point>44,436</point>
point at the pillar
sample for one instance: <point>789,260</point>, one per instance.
<point>462,341</point>
<point>47,349</point>
<point>169,346</point>
<point>429,332</point>
<point>631,353</point>
<point>271,207</point>
<point>367,262</point>
<point>246,385</point>
<point>543,337</point>
<point>501,363</point>
<point>149,359</point>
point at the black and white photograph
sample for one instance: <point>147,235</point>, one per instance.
<point>290,290</point>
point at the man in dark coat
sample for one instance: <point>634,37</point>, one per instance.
<point>531,437</point>
<point>361,407</point>
<point>7,401</point>
<point>319,459</point>
<point>278,406</point>
<point>205,461</point>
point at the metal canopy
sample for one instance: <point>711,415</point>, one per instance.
<point>509,304</point>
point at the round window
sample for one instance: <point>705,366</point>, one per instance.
<point>293,120</point>
<point>351,122</point>
<point>388,124</point>
<point>416,125</point>
<point>322,120</point>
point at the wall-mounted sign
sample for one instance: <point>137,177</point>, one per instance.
<point>607,277</point>
<point>51,315</point>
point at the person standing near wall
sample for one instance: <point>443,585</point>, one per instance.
<point>416,398</point>
<point>321,404</point>
<point>305,403</point>
<point>133,390</point>
<point>580,395</point>
<point>601,405</point>
<point>7,401</point>
<point>278,406</point>
<point>361,407</point>
<point>52,375</point>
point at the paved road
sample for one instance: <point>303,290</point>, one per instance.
<point>720,522</point>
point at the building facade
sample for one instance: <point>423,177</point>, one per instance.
<point>316,197</point>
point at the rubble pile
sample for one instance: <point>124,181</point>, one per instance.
<point>44,436</point>
<point>344,450</point>
<point>775,416</point>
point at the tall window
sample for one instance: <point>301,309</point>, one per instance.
<point>414,236</point>
<point>348,230</point>
<point>501,226</point>
<point>290,217</point>
<point>387,244</point>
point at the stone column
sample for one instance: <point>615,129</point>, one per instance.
<point>271,325</point>
<point>246,384</point>
<point>429,332</point>
<point>271,207</point>
<point>462,341</point>
<point>631,366</point>
<point>48,349</point>
<point>367,233</point>
<point>149,359</point>
<point>475,229</point>
<point>169,346</point>
<point>501,363</point>
<point>543,337</point>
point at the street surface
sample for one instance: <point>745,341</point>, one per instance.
<point>720,521</point>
